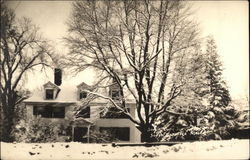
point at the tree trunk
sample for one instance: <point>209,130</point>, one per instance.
<point>147,134</point>
<point>7,122</point>
<point>7,129</point>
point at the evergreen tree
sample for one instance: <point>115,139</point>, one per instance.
<point>207,112</point>
<point>217,93</point>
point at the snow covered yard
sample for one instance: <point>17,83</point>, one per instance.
<point>228,149</point>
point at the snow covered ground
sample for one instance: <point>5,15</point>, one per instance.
<point>229,149</point>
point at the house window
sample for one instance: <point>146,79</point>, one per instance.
<point>120,133</point>
<point>49,93</point>
<point>115,90</point>
<point>114,113</point>
<point>83,95</point>
<point>84,113</point>
<point>49,111</point>
<point>43,111</point>
<point>58,112</point>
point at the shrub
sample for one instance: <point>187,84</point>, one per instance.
<point>217,123</point>
<point>39,130</point>
<point>192,133</point>
<point>100,137</point>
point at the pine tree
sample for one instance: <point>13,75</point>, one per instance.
<point>217,93</point>
<point>210,114</point>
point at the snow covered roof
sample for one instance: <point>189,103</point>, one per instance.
<point>82,121</point>
<point>83,84</point>
<point>68,93</point>
<point>50,85</point>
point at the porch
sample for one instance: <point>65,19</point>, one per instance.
<point>81,130</point>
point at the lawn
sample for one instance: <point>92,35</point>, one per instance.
<point>228,149</point>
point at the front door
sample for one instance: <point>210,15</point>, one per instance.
<point>80,134</point>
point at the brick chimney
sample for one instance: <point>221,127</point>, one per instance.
<point>58,76</point>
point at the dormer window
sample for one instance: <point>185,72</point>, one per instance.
<point>49,94</point>
<point>83,95</point>
<point>51,91</point>
<point>83,89</point>
<point>115,91</point>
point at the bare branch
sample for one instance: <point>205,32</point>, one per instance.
<point>115,104</point>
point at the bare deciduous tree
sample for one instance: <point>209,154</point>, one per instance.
<point>22,48</point>
<point>143,46</point>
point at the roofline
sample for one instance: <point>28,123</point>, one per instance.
<point>47,102</point>
<point>82,84</point>
<point>52,84</point>
<point>64,102</point>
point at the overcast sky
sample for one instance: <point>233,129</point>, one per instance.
<point>227,21</point>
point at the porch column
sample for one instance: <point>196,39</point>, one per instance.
<point>73,127</point>
<point>88,134</point>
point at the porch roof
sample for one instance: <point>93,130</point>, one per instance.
<point>81,122</point>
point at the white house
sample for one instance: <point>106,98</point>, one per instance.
<point>55,101</point>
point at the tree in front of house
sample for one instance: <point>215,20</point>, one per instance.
<point>22,49</point>
<point>217,91</point>
<point>209,113</point>
<point>137,45</point>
